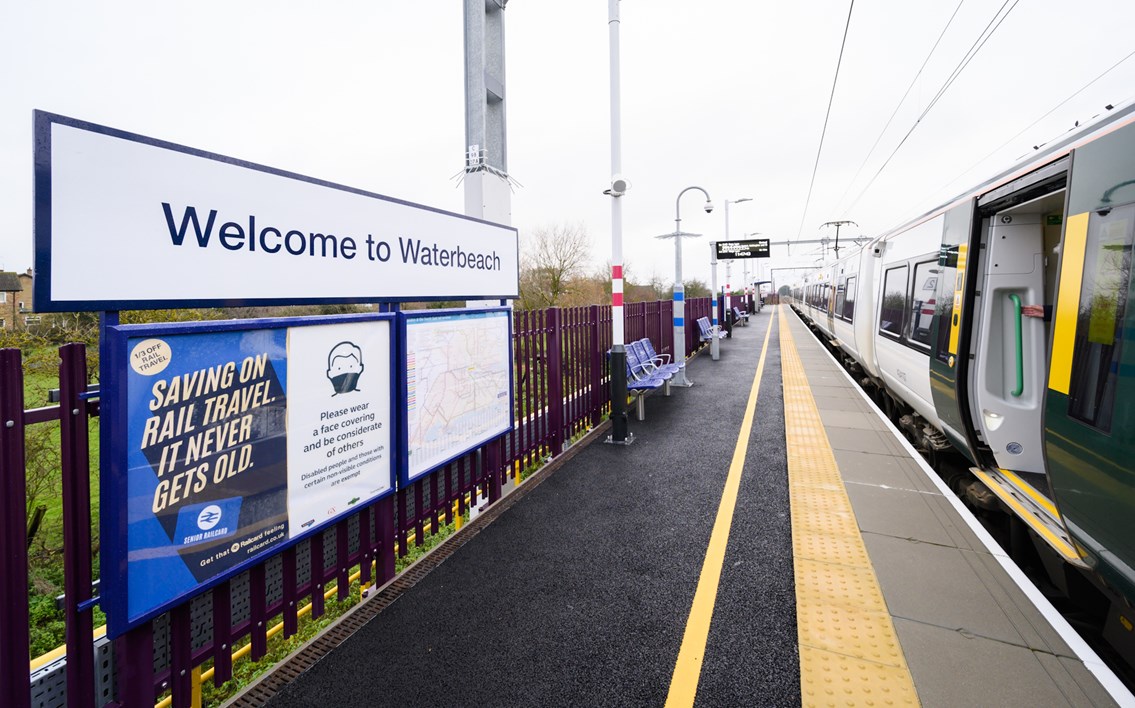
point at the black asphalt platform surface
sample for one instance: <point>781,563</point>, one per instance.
<point>579,594</point>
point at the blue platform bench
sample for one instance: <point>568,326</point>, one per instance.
<point>742,317</point>
<point>705,330</point>
<point>646,371</point>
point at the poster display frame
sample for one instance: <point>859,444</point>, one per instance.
<point>114,476</point>
<point>404,320</point>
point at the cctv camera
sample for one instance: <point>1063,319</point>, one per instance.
<point>708,207</point>
<point>619,185</point>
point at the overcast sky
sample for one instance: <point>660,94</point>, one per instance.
<point>729,95</point>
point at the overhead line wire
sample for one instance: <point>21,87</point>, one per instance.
<point>978,44</point>
<point>827,116</point>
<point>1030,126</point>
<point>900,103</point>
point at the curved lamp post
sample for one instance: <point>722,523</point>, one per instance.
<point>679,289</point>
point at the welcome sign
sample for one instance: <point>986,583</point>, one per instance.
<point>164,225</point>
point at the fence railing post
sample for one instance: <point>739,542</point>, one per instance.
<point>595,398</point>
<point>555,381</point>
<point>15,690</point>
<point>76,468</point>
<point>134,663</point>
<point>491,459</point>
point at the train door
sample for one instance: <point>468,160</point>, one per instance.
<point>1090,411</point>
<point>949,334</point>
<point>1010,340</point>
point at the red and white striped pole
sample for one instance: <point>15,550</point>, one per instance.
<point>619,433</point>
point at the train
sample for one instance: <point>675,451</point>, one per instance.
<point>997,330</point>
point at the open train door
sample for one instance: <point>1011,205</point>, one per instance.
<point>1017,229</point>
<point>948,369</point>
<point>1090,410</point>
<point>1010,343</point>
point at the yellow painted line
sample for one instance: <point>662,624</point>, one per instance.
<point>1029,518</point>
<point>1068,302</point>
<point>687,670</point>
<point>1038,498</point>
<point>849,652</point>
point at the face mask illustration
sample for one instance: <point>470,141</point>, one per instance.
<point>344,367</point>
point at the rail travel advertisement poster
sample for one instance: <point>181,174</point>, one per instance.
<point>238,441</point>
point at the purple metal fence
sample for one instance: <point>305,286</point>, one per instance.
<point>561,388</point>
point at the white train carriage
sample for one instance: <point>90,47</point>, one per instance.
<point>905,275</point>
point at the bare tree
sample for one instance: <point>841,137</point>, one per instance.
<point>551,259</point>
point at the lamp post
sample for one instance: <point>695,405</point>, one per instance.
<point>714,345</point>
<point>680,289</point>
<point>619,434</point>
<point>745,269</point>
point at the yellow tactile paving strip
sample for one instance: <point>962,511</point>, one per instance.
<point>849,653</point>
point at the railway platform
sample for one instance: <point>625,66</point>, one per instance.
<point>768,539</point>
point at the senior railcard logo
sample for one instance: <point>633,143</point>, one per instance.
<point>207,463</point>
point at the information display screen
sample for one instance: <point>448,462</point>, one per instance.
<point>753,248</point>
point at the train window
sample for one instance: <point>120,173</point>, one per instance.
<point>849,300</point>
<point>1103,301</point>
<point>840,291</point>
<point>922,301</point>
<point>894,301</point>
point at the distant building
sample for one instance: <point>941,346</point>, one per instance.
<point>10,292</point>
<point>16,300</point>
<point>25,302</point>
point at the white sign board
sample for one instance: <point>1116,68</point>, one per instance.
<point>128,222</point>
<point>338,420</point>
<point>458,385</point>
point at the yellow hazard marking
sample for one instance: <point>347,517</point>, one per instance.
<point>1026,488</point>
<point>1068,302</point>
<point>959,289</point>
<point>849,652</point>
<point>1059,544</point>
<point>687,670</point>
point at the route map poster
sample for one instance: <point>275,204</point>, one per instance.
<point>236,442</point>
<point>458,384</point>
